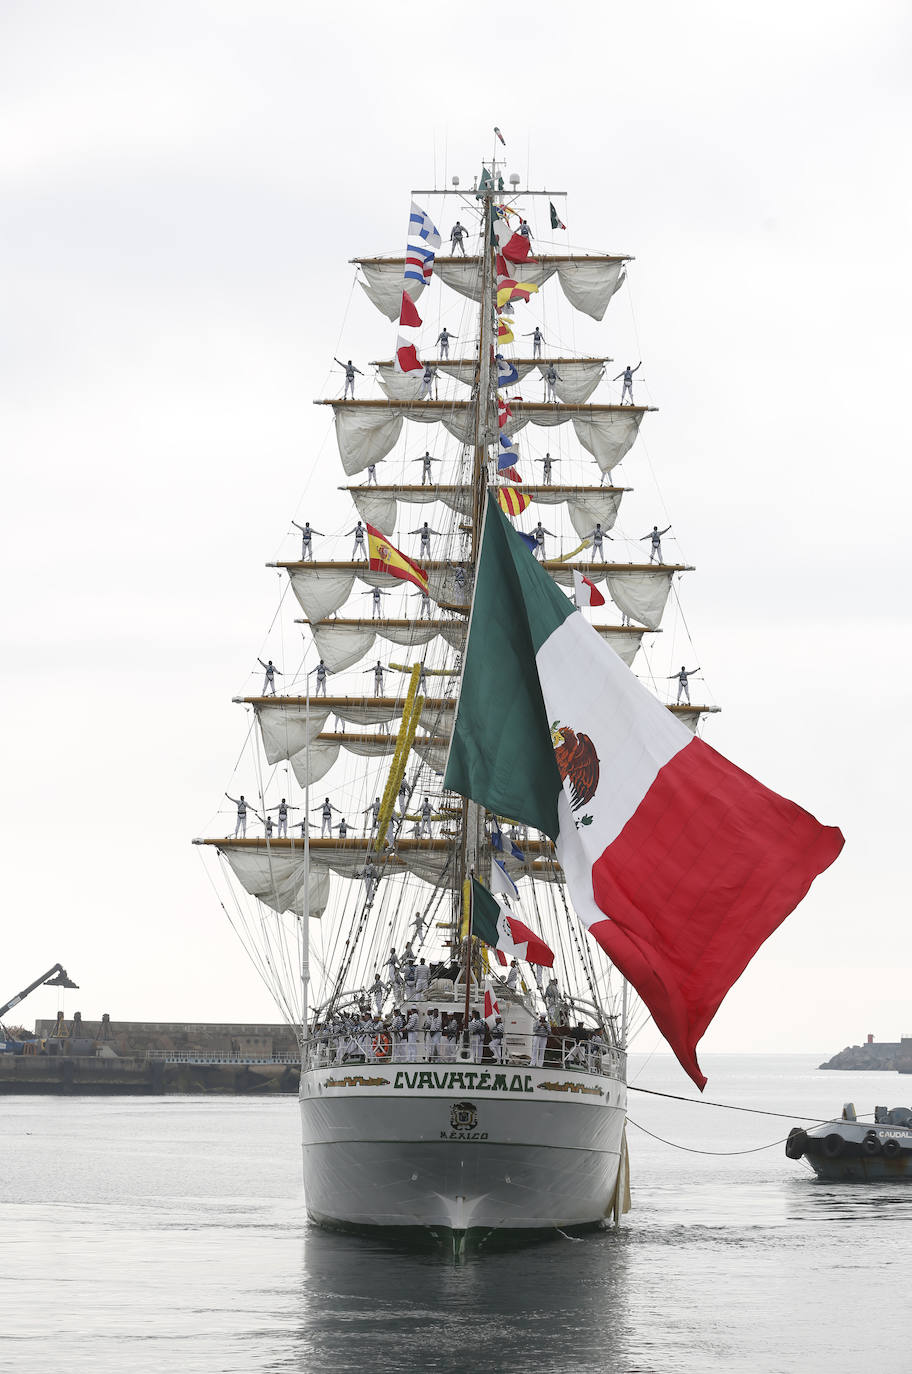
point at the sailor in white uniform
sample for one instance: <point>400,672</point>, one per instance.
<point>377,992</point>
<point>376,596</point>
<point>268,827</point>
<point>411,1030</point>
<point>682,678</point>
<point>422,979</point>
<point>369,874</point>
<point>451,1032</point>
<point>539,533</point>
<point>320,673</point>
<point>374,812</point>
<point>326,813</point>
<point>548,462</point>
<point>427,383</point>
<point>524,229</point>
<point>540,1033</point>
<point>404,793</point>
<point>538,339</point>
<point>283,809</point>
<point>342,827</point>
<point>425,826</point>
<point>425,531</point>
<point>358,532</point>
<point>627,374</point>
<point>378,670</point>
<point>655,538</point>
<point>597,535</point>
<point>476,1036</point>
<point>307,539</point>
<point>457,234</point>
<point>551,376</point>
<point>410,978</point>
<point>269,679</point>
<point>513,975</point>
<point>433,1028</point>
<point>427,478</point>
<point>424,611</point>
<point>241,823</point>
<point>443,339</point>
<point>397,1027</point>
<point>372,474</point>
<point>349,369</point>
<point>497,1040</point>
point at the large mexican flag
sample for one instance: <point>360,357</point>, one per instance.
<point>678,863</point>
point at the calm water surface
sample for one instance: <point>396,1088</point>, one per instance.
<point>169,1234</point>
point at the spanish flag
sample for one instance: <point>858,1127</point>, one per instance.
<point>511,501</point>
<point>385,557</point>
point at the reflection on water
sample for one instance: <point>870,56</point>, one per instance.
<point>169,1234</point>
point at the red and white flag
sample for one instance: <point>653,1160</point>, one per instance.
<point>586,593</point>
<point>513,247</point>
<point>491,1009</point>
<point>407,356</point>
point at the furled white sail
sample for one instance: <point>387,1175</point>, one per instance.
<point>342,643</point>
<point>384,284</point>
<point>462,275</point>
<point>276,878</point>
<point>642,596</point>
<point>379,511</point>
<point>576,381</point>
<point>595,508</point>
<point>625,643</point>
<point>589,285</point>
<point>399,386</point>
<point>321,592</point>
<point>365,436</point>
<point>286,729</point>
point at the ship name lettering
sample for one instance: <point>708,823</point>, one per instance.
<point>463,1135</point>
<point>425,1080</point>
<point>484,1081</point>
<point>500,1082</point>
<point>466,1080</point>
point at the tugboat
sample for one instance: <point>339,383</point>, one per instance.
<point>850,1150</point>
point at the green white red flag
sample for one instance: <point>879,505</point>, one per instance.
<point>495,925</point>
<point>679,864</point>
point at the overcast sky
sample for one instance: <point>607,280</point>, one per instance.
<point>183,185</point>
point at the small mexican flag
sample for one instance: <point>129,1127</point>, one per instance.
<point>556,222</point>
<point>678,863</point>
<point>495,925</point>
<point>491,1009</point>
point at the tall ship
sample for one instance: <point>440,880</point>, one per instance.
<point>407,825</point>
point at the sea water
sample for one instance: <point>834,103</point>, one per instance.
<point>169,1234</point>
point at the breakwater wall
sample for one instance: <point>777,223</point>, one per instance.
<point>875,1054</point>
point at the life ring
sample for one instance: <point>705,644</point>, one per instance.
<point>833,1145</point>
<point>796,1143</point>
<point>871,1144</point>
<point>381,1046</point>
<point>891,1148</point>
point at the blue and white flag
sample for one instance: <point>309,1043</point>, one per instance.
<point>507,452</point>
<point>501,882</point>
<point>419,263</point>
<point>506,372</point>
<point>528,539</point>
<point>498,843</point>
<point>421,226</point>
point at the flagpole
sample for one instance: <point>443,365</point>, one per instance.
<point>467,911</point>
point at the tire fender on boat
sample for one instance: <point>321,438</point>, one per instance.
<point>796,1144</point>
<point>891,1148</point>
<point>833,1145</point>
<point>871,1144</point>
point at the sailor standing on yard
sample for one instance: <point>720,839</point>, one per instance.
<point>548,462</point>
<point>326,812</point>
<point>540,1033</point>
<point>443,339</point>
<point>427,382</point>
<point>627,374</point>
<point>349,369</point>
<point>374,812</point>
<point>427,478</point>
<point>425,531</point>
<point>457,234</point>
<point>372,474</point>
<point>682,677</point>
<point>283,809</point>
<point>424,610</point>
<point>269,679</point>
<point>425,824</point>
<point>342,827</point>
<point>241,824</point>
<point>307,539</point>
<point>376,596</point>
<point>539,534</point>
<point>358,532</point>
<point>655,535</point>
<point>597,535</point>
<point>378,670</point>
<point>538,339</point>
<point>320,673</point>
<point>476,1035</point>
<point>551,376</point>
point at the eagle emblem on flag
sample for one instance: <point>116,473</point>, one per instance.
<point>383,552</point>
<point>577,761</point>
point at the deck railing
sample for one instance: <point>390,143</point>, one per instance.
<point>370,1046</point>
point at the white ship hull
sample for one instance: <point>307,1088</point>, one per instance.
<point>458,1148</point>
